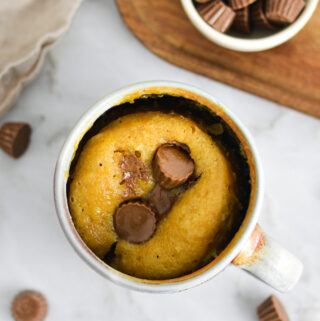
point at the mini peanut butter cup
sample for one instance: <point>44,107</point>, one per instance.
<point>283,12</point>
<point>239,4</point>
<point>272,310</point>
<point>217,14</point>
<point>258,16</point>
<point>241,22</point>
<point>134,222</point>
<point>202,1</point>
<point>15,138</point>
<point>172,165</point>
<point>29,306</point>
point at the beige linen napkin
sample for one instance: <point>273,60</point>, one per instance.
<point>28,29</point>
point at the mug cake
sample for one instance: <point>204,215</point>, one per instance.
<point>155,191</point>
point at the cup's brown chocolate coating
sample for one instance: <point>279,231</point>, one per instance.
<point>283,12</point>
<point>181,145</point>
<point>217,14</point>
<point>29,306</point>
<point>272,310</point>
<point>15,138</point>
<point>172,165</point>
<point>160,201</point>
<point>242,22</point>
<point>134,222</point>
<point>258,16</point>
<point>202,1</point>
<point>239,4</point>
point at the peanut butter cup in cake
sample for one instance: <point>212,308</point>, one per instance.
<point>153,194</point>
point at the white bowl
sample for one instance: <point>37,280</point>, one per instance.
<point>257,41</point>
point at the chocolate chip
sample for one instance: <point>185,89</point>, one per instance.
<point>134,222</point>
<point>272,310</point>
<point>29,306</point>
<point>172,165</point>
<point>15,138</point>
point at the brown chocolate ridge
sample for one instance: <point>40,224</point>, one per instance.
<point>183,146</point>
<point>283,12</point>
<point>242,22</point>
<point>258,16</point>
<point>272,310</point>
<point>15,138</point>
<point>217,14</point>
<point>239,4</point>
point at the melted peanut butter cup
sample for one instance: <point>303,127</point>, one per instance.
<point>172,165</point>
<point>134,222</point>
<point>160,201</point>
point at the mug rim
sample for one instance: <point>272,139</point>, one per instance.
<point>69,148</point>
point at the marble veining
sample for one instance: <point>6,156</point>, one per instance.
<point>97,55</point>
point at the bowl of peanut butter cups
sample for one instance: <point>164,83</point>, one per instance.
<point>249,25</point>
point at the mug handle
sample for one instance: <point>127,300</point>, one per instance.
<point>265,259</point>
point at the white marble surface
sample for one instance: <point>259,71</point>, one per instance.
<point>98,55</point>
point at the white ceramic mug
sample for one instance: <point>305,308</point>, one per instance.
<point>250,249</point>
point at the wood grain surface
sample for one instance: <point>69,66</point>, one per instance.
<point>288,74</point>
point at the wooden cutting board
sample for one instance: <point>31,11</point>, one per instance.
<point>288,74</point>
